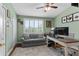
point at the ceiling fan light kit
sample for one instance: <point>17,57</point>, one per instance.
<point>47,7</point>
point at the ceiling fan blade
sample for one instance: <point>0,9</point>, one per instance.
<point>53,6</point>
<point>52,3</point>
<point>39,7</point>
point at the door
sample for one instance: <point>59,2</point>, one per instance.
<point>2,40</point>
<point>8,32</point>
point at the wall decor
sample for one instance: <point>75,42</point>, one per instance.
<point>76,16</point>
<point>64,20</point>
<point>48,24</point>
<point>20,21</point>
<point>8,13</point>
<point>69,18</point>
<point>7,23</point>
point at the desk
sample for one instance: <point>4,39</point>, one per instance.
<point>65,43</point>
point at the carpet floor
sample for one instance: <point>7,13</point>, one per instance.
<point>36,51</point>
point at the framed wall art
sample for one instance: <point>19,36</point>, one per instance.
<point>76,16</point>
<point>64,19</point>
<point>69,18</point>
<point>48,24</point>
<point>8,13</point>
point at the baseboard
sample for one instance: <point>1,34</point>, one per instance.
<point>11,50</point>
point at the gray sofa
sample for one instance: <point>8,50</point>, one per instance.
<point>33,40</point>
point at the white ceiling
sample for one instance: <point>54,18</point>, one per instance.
<point>29,9</point>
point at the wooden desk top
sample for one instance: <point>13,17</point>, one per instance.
<point>72,43</point>
<point>68,40</point>
<point>64,42</point>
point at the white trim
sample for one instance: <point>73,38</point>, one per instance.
<point>24,19</point>
<point>3,23</point>
<point>10,50</point>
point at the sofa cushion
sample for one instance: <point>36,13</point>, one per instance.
<point>33,42</point>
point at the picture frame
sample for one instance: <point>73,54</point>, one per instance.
<point>70,18</point>
<point>8,13</point>
<point>76,16</point>
<point>64,19</point>
<point>48,24</point>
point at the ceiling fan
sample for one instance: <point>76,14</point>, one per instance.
<point>47,7</point>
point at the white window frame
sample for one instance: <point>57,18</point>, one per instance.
<point>34,25</point>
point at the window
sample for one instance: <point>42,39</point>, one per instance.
<point>40,26</point>
<point>26,25</point>
<point>36,26</point>
<point>33,26</point>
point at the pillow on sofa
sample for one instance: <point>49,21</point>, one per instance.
<point>33,36</point>
<point>26,36</point>
<point>40,35</point>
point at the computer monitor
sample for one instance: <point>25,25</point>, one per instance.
<point>61,31</point>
